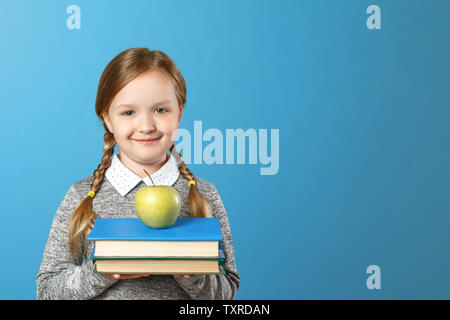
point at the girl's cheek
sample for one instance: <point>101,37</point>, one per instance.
<point>171,125</point>
<point>128,129</point>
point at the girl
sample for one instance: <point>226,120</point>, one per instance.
<point>140,99</point>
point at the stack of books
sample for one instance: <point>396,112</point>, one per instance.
<point>128,246</point>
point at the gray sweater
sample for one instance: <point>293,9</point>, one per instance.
<point>60,278</point>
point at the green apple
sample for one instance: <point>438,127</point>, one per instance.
<point>157,206</point>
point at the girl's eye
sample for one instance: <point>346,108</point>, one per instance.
<point>161,109</point>
<point>127,112</point>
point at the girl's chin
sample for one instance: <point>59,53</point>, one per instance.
<point>150,157</point>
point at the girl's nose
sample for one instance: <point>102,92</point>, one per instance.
<point>146,124</point>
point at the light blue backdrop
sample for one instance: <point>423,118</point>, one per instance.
<point>363,133</point>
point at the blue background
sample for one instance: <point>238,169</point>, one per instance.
<point>363,118</point>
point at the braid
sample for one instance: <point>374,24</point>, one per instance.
<point>84,217</point>
<point>198,204</point>
<point>108,151</point>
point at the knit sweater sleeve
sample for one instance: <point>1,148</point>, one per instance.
<point>59,277</point>
<point>222,286</point>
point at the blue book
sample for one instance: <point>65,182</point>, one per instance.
<point>193,229</point>
<point>131,238</point>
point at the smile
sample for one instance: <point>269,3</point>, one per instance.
<point>146,142</point>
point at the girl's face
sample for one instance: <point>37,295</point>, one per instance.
<point>146,108</point>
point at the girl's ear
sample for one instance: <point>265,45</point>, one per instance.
<point>181,112</point>
<point>106,120</point>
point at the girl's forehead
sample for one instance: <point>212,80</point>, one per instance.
<point>150,88</point>
<point>154,82</point>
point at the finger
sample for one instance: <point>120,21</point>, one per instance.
<point>187,276</point>
<point>112,276</point>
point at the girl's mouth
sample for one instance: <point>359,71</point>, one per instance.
<point>146,141</point>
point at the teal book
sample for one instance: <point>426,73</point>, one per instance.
<point>131,238</point>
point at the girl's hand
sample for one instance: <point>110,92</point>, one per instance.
<point>125,276</point>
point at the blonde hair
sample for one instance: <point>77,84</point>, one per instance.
<point>122,69</point>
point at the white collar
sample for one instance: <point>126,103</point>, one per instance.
<point>124,180</point>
